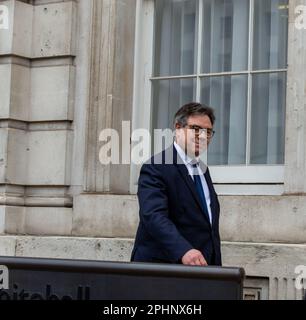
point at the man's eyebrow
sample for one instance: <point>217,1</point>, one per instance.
<point>195,125</point>
<point>198,127</point>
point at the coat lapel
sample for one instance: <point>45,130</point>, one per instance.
<point>211,194</point>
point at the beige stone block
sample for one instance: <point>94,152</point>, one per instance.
<point>20,92</point>
<point>6,35</point>
<point>7,245</point>
<point>17,157</point>
<point>18,38</point>
<point>48,221</point>
<point>3,154</point>
<point>35,220</point>
<point>105,215</point>
<point>263,218</point>
<point>39,31</point>
<point>48,162</point>
<point>53,33</point>
<point>14,92</point>
<point>264,259</point>
<point>52,93</point>
<point>22,32</point>
<point>14,218</point>
<point>5,90</point>
<point>75,248</point>
<point>2,219</point>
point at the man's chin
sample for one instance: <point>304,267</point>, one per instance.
<point>194,153</point>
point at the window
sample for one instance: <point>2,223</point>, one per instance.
<point>231,55</point>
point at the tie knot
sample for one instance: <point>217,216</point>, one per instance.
<point>194,164</point>
<point>195,169</point>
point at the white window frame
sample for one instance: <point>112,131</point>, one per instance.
<point>228,179</point>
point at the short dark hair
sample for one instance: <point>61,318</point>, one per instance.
<point>193,109</point>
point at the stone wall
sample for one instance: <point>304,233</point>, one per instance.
<point>37,77</point>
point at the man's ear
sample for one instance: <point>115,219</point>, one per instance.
<point>175,133</point>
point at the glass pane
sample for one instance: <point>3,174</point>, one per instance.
<point>175,37</point>
<point>270,34</point>
<point>168,97</point>
<point>268,118</point>
<point>228,97</point>
<point>225,35</point>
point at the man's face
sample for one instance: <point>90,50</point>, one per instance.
<point>192,138</point>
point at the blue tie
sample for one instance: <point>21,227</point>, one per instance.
<point>200,190</point>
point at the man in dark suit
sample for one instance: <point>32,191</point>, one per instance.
<point>179,208</point>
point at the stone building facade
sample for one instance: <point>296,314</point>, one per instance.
<point>69,69</point>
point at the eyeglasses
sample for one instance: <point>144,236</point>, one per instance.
<point>198,130</point>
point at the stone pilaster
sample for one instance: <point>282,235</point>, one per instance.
<point>111,89</point>
<point>295,146</point>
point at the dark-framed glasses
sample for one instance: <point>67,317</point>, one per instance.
<point>201,131</point>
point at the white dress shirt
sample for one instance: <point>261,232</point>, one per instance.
<point>188,161</point>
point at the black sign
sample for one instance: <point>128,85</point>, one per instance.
<point>56,279</point>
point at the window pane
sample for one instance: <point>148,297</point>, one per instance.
<point>270,34</point>
<point>228,96</point>
<point>268,118</point>
<point>225,35</point>
<point>175,37</point>
<point>168,97</point>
